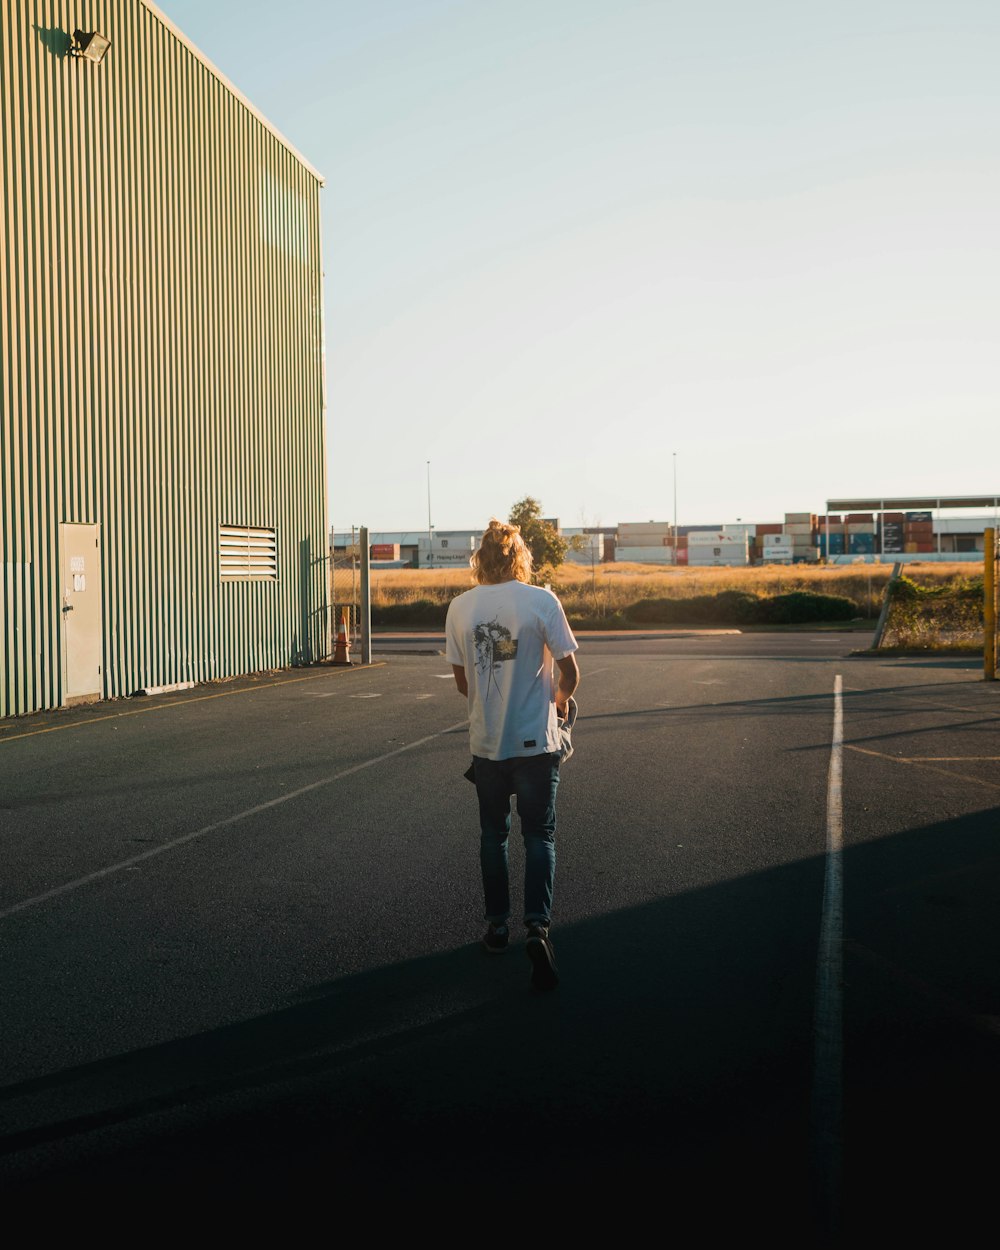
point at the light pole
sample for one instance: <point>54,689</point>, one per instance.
<point>430,532</point>
<point>675,507</point>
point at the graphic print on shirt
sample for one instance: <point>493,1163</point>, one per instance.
<point>494,644</point>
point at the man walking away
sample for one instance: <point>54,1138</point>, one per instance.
<point>503,636</point>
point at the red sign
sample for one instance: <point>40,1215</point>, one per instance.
<point>384,551</point>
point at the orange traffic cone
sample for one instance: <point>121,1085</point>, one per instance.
<point>342,651</point>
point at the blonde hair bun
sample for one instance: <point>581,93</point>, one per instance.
<point>503,555</point>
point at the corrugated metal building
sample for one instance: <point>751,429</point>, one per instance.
<point>162,465</point>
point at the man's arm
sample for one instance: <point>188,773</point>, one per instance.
<point>460,680</point>
<point>569,679</point>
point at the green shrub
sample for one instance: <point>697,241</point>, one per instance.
<point>728,607</point>
<point>935,617</point>
<point>965,589</point>
<point>737,607</point>
<point>420,612</point>
<point>801,606</point>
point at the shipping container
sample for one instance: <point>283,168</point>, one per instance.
<point>860,517</point>
<point>587,548</point>
<point>861,544</point>
<point>768,527</point>
<point>861,527</point>
<point>643,527</point>
<point>644,555</point>
<point>837,544</point>
<point>800,518</point>
<point>708,538</point>
<point>920,516</point>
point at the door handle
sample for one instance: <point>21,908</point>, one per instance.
<point>68,607</point>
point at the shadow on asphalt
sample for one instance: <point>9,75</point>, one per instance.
<point>670,1072</point>
<point>790,703</point>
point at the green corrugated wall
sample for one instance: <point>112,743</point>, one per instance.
<point>161,355</point>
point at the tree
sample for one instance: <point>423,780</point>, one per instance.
<point>547,547</point>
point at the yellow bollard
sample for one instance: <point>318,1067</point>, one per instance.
<point>989,606</point>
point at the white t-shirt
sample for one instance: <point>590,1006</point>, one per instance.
<point>506,638</point>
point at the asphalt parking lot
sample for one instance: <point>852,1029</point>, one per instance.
<point>241,952</point>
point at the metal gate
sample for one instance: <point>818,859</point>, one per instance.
<point>345,589</point>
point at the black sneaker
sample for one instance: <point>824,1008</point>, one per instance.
<point>496,938</point>
<point>538,948</point>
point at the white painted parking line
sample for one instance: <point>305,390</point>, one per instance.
<point>124,864</point>
<point>365,696</point>
<point>828,1053</point>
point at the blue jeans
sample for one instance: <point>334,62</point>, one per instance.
<point>534,779</point>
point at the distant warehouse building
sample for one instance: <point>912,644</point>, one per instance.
<point>162,467</point>
<point>420,550</point>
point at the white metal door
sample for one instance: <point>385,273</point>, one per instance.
<point>81,613</point>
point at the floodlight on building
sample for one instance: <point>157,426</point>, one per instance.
<point>90,45</point>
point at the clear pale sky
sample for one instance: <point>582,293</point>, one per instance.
<point>567,239</point>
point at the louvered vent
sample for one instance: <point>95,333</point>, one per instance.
<point>245,551</point>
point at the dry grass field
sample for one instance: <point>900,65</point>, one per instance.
<point>609,588</point>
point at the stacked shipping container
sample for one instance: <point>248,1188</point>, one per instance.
<point>801,531</point>
<point>918,532</point>
<point>832,534</point>
<point>645,542</point>
<point>802,537</point>
<point>586,547</point>
<point>770,545</point>
<point>717,547</point>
